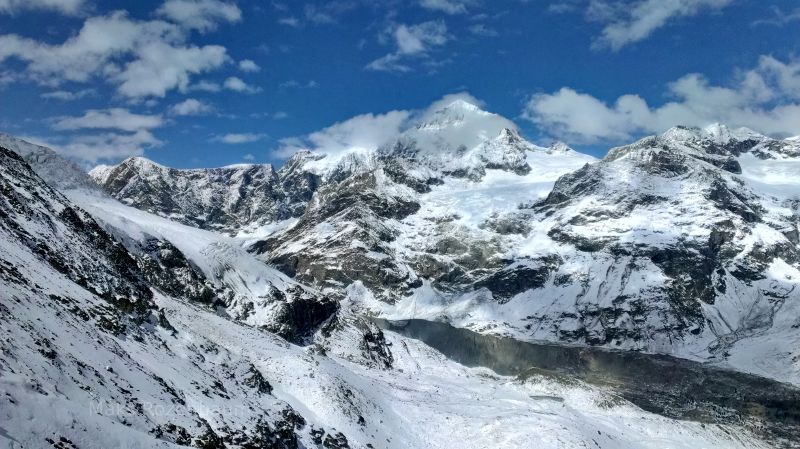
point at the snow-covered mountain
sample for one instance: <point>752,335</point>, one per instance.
<point>684,243</point>
<point>109,341</point>
<point>419,207</point>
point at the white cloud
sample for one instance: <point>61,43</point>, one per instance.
<point>327,12</point>
<point>110,146</point>
<point>411,41</point>
<point>237,85</point>
<point>162,67</point>
<point>289,21</point>
<point>362,132</point>
<point>238,138</point>
<point>190,106</point>
<point>310,84</point>
<point>144,59</point>
<point>280,115</point>
<point>201,15</point>
<point>248,65</point>
<point>69,7</point>
<point>115,118</point>
<point>779,17</point>
<point>627,23</point>
<point>66,95</point>
<point>765,98</point>
<point>447,6</point>
<point>205,86</point>
<point>480,29</point>
<point>249,157</point>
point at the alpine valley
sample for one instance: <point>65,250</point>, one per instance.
<point>455,286</point>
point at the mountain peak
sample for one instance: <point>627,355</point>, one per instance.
<point>723,134</point>
<point>560,147</point>
<point>462,104</point>
<point>716,132</point>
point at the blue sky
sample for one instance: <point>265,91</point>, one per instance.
<point>193,83</point>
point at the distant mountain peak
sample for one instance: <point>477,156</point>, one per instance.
<point>716,132</point>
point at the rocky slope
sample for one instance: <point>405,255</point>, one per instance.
<point>223,199</point>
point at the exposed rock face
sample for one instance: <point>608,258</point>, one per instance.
<point>66,238</point>
<point>57,171</point>
<point>223,199</point>
<point>167,269</point>
<point>344,236</point>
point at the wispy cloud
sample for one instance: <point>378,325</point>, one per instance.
<point>779,17</point>
<point>411,41</point>
<point>115,118</point>
<point>294,84</point>
<point>66,95</point>
<point>448,6</point>
<point>480,29</point>
<point>239,138</point>
<point>68,7</point>
<point>628,22</point>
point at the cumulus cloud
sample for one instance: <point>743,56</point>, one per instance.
<point>359,133</point>
<point>411,41</point>
<point>162,67</point>
<point>765,98</point>
<point>247,65</point>
<point>190,106</point>
<point>447,6</point>
<point>239,138</point>
<point>201,15</point>
<point>143,58</point>
<point>237,85</point>
<point>115,118</point>
<point>627,23</point>
<point>68,7</point>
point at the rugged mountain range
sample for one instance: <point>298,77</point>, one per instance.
<point>684,243</point>
<point>228,307</point>
<point>108,340</point>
